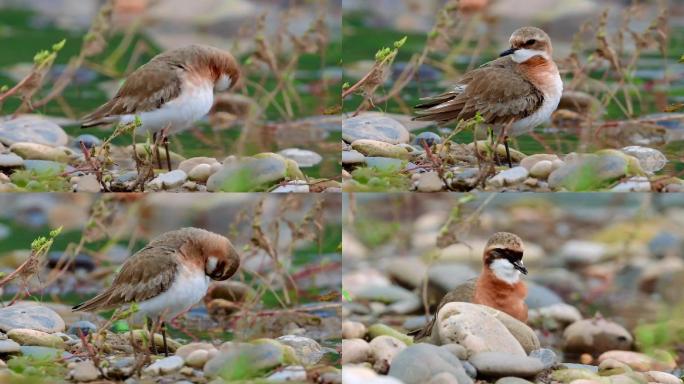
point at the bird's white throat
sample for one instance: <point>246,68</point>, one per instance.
<point>504,270</point>
<point>523,54</point>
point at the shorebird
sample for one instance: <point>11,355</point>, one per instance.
<point>169,275</point>
<point>499,285</point>
<point>170,92</point>
<point>515,92</point>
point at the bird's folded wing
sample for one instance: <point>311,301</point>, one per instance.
<point>496,92</point>
<point>146,89</point>
<point>146,274</point>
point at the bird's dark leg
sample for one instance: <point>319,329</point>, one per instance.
<point>166,148</point>
<point>156,149</point>
<point>163,330</point>
<point>508,152</point>
<point>151,327</point>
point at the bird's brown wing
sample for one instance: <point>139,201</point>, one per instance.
<point>146,89</point>
<point>496,90</point>
<point>462,293</point>
<point>144,275</point>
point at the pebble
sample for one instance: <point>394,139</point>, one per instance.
<point>307,350</point>
<point>512,380</point>
<point>34,151</point>
<point>662,377</point>
<point>595,336</point>
<point>88,184</point>
<point>380,329</point>
<point>375,148</point>
<point>429,182</point>
<point>83,371</point>
<point>475,329</point>
<point>81,327</point>
<point>384,163</point>
<point>530,161</point>
<point>542,169</point>
<point>295,186</point>
<point>165,365</point>
<point>374,127</point>
<point>589,172</point>
<point>546,356</point>
<point>11,160</point>
<point>291,373</point>
<point>637,361</point>
<point>353,330</point>
<point>304,158</point>
<point>353,157</point>
<point>200,173</point>
<point>429,138</point>
<point>197,359</point>
<point>33,337</point>
<point>651,160</point>
<point>356,374</point>
<point>500,364</point>
<point>248,174</point>
<point>30,316</point>
<point>355,351</point>
<point>89,141</point>
<point>562,313</point>
<point>235,359</point>
<point>634,184</point>
<point>508,177</point>
<point>383,349</point>
<point>9,346</point>
<point>32,129</point>
<point>169,180</point>
<point>419,363</point>
<point>189,164</point>
<point>185,350</point>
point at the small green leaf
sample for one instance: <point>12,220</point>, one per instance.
<point>58,46</point>
<point>400,43</point>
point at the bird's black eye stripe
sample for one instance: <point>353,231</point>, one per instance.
<point>509,254</point>
<point>530,42</point>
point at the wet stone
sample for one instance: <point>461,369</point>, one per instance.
<point>374,127</point>
<point>304,158</point>
<point>32,129</point>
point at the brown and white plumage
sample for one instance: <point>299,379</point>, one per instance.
<point>498,286</point>
<point>170,274</point>
<point>523,87</point>
<point>172,90</point>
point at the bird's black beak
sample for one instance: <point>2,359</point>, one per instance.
<point>519,266</point>
<point>508,52</point>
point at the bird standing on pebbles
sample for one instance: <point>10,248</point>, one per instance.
<point>499,285</point>
<point>169,275</point>
<point>516,92</point>
<point>170,92</point>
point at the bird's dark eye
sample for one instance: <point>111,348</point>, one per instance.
<point>530,42</point>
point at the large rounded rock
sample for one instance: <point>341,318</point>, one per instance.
<point>248,174</point>
<point>33,337</point>
<point>595,336</point>
<point>243,361</point>
<point>374,127</point>
<point>32,129</point>
<point>355,351</point>
<point>383,350</point>
<point>419,363</point>
<point>592,171</point>
<point>35,151</point>
<point>521,331</point>
<point>308,351</point>
<point>499,364</point>
<point>30,316</point>
<point>475,328</point>
<point>651,160</point>
<point>638,361</point>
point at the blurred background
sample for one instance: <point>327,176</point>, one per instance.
<point>590,256</point>
<point>283,289</point>
<point>288,50</point>
<point>620,59</point>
